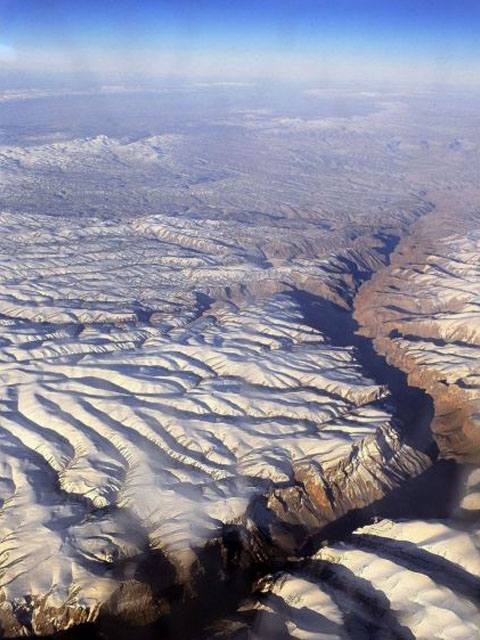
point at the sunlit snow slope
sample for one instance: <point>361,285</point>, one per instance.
<point>169,415</point>
<point>138,416</point>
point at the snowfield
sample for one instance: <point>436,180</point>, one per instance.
<point>192,424</point>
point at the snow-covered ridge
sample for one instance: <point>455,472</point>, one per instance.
<point>121,439</point>
<point>423,313</point>
<point>163,399</point>
<point>404,580</point>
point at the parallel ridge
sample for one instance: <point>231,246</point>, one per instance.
<point>406,580</point>
<point>423,312</point>
<point>116,440</point>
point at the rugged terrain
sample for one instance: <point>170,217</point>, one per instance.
<point>195,440</point>
<point>422,312</point>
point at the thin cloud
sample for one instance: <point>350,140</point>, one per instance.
<point>7,53</point>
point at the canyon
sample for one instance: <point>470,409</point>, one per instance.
<point>239,390</point>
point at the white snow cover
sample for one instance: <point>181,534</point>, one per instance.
<point>411,580</point>
<point>119,435</point>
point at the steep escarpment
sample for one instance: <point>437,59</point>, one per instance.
<point>422,312</point>
<point>191,429</point>
<point>183,406</point>
<point>119,452</point>
<point>159,399</point>
<point>406,580</point>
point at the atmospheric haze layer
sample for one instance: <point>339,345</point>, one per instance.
<point>239,347</point>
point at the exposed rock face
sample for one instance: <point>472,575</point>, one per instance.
<point>119,442</point>
<point>408,580</point>
<point>169,415</point>
<point>422,312</point>
<point>139,417</point>
<point>126,440</point>
<point>284,522</point>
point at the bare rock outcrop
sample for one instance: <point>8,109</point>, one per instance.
<point>422,312</point>
<point>404,580</point>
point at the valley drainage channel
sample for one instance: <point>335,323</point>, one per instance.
<point>428,496</point>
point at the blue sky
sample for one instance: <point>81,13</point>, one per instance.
<point>348,39</point>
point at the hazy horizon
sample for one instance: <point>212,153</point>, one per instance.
<point>428,42</point>
<point>239,320</point>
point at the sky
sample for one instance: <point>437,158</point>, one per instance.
<point>406,40</point>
